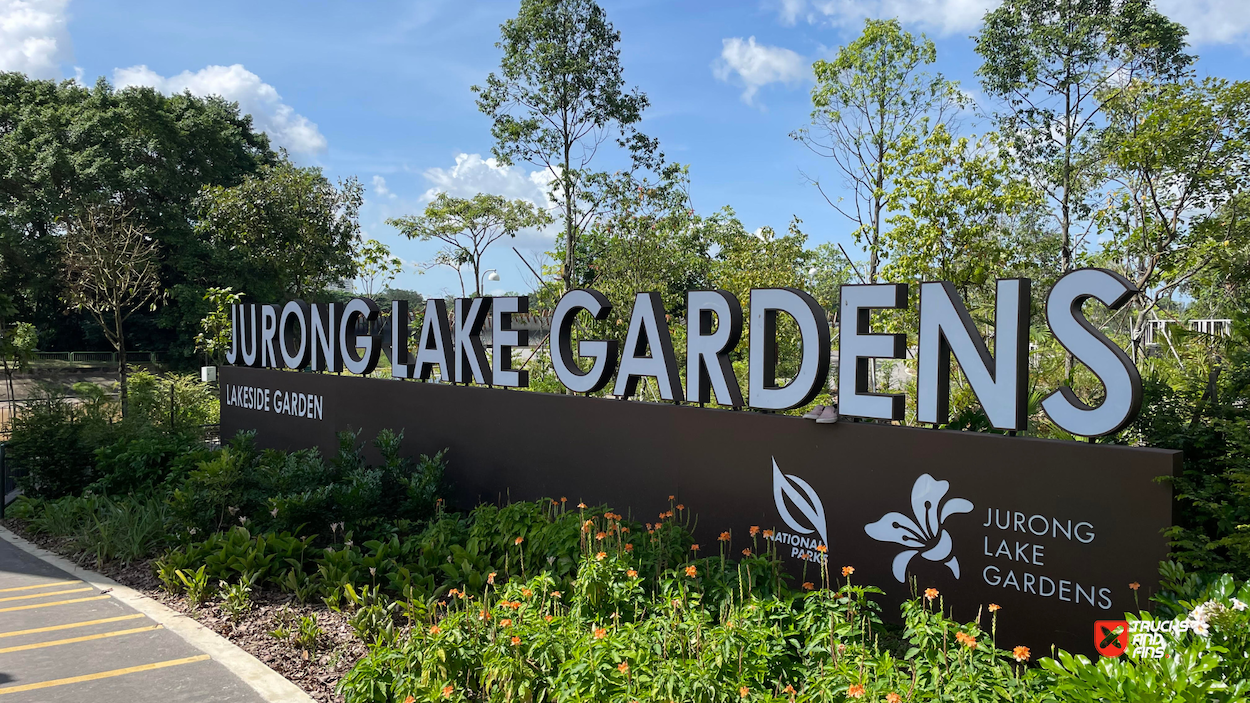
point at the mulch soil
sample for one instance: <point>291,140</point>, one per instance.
<point>317,671</point>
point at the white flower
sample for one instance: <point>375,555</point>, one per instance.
<point>923,535</point>
<point>1238,605</point>
<point>1200,627</point>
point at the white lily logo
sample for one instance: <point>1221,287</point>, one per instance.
<point>804,498</point>
<point>924,535</point>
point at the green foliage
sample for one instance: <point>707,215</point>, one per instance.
<point>1205,413</point>
<point>196,584</point>
<point>236,599</point>
<point>214,336</point>
<point>63,143</point>
<point>467,227</point>
<point>53,441</point>
<point>283,491</point>
<point>868,102</point>
<point>283,231</point>
<point>558,92</point>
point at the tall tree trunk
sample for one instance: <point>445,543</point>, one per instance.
<point>122,385</point>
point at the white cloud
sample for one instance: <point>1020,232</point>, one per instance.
<point>943,16</point>
<point>379,187</point>
<point>1209,21</point>
<point>757,65</point>
<point>33,37</point>
<point>472,175</point>
<point>255,97</point>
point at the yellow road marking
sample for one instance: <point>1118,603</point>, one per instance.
<point>28,596</point>
<point>69,625</point>
<point>84,638</point>
<point>101,675</point>
<point>48,605</point>
<point>42,585</point>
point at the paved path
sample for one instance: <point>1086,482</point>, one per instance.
<point>62,639</point>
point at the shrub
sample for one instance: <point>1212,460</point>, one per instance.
<point>54,439</point>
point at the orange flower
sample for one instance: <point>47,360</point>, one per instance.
<point>672,497</point>
<point>506,622</point>
<point>694,547</point>
<point>516,641</point>
<point>744,692</point>
<point>563,499</point>
<point>808,585</point>
<point>600,535</point>
<point>600,556</point>
<point>549,618</point>
<point>435,629</point>
<point>453,592</point>
<point>768,534</point>
<point>847,571</point>
<point>930,593</point>
<point>632,574</point>
<point>623,667</point>
<point>526,593</point>
<point>519,540</point>
<point>789,689</point>
<point>600,633</point>
<point>892,698</point>
<point>680,506</point>
<point>1134,585</point>
<point>966,640</point>
<point>581,506</point>
<point>1021,653</point>
<point>485,614</point>
<point>629,547</point>
<point>691,571</point>
<point>516,604</point>
<point>490,578</point>
<point>724,537</point>
<point>855,691</point>
<point>649,527</point>
<point>746,552</point>
<point>755,530</point>
<point>821,548</point>
<point>555,594</point>
<point>447,690</point>
<point>410,699</point>
<point>994,607</point>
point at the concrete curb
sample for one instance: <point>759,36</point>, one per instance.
<point>271,685</point>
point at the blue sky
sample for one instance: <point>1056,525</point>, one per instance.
<point>381,90</point>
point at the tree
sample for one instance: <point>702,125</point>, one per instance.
<point>1180,153</point>
<point>867,100</point>
<point>375,265</point>
<point>647,239</point>
<point>468,226</point>
<point>112,270</point>
<point>557,96</point>
<point>953,211</point>
<point>284,231</point>
<point>1057,65</point>
<point>17,347</point>
<point>66,143</point>
<point>214,339</point>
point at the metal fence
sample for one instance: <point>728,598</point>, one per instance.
<point>8,482</point>
<point>98,357</point>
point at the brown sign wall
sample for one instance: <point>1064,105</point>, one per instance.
<point>1052,531</point>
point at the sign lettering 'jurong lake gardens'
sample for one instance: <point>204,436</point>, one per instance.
<point>325,338</point>
<point>1052,531</point>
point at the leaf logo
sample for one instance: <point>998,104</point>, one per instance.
<point>797,491</point>
<point>923,535</point>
